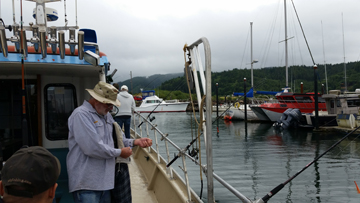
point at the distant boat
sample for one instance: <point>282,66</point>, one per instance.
<point>238,113</point>
<point>156,105</point>
<point>304,102</point>
<point>221,108</point>
<point>342,108</point>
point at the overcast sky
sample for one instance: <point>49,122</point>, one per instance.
<point>147,37</point>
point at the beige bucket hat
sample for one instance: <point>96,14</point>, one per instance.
<point>105,93</point>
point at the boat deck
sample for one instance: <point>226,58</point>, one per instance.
<point>139,185</point>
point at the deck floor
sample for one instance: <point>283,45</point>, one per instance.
<point>139,190</point>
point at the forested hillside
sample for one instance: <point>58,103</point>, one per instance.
<point>273,79</point>
<point>147,83</point>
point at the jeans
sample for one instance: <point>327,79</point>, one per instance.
<point>90,196</point>
<point>126,121</point>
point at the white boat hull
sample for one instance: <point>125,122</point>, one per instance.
<point>221,108</point>
<point>170,107</point>
<point>260,113</point>
<point>272,115</point>
<point>239,114</point>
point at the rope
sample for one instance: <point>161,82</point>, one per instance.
<point>187,65</point>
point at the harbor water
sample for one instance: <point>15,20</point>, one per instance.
<point>254,159</point>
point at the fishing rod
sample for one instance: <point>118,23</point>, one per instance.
<point>159,105</point>
<point>281,185</point>
<point>182,151</point>
<point>23,51</point>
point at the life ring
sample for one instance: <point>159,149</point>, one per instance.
<point>237,105</point>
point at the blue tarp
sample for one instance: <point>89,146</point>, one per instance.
<point>250,93</point>
<point>267,92</point>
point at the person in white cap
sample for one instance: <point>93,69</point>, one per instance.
<point>123,116</point>
<point>91,157</point>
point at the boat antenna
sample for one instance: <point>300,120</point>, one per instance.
<point>281,186</point>
<point>76,13</point>
<point>66,21</point>
<point>24,121</point>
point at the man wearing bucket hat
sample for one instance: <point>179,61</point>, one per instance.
<point>30,175</point>
<point>91,157</point>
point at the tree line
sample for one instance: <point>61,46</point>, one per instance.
<point>274,79</point>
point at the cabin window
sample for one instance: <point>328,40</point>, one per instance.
<point>303,99</point>
<point>12,116</point>
<point>338,103</point>
<point>321,100</point>
<point>353,103</point>
<point>288,99</point>
<point>332,104</point>
<point>60,102</point>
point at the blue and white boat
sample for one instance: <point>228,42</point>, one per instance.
<point>44,71</point>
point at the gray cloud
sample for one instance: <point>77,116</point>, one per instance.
<point>149,46</point>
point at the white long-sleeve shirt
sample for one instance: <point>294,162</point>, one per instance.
<point>91,157</point>
<point>127,104</point>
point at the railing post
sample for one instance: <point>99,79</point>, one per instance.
<point>134,121</point>
<point>140,128</point>
<point>148,134</point>
<point>186,177</point>
<point>169,169</point>
<point>156,142</point>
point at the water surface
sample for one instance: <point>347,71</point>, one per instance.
<point>254,159</point>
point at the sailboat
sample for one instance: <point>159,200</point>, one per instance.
<point>305,102</point>
<point>238,111</point>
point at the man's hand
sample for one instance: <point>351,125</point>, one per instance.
<point>126,152</point>
<point>143,142</point>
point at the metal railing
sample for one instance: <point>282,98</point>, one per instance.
<point>143,127</point>
<point>206,123</point>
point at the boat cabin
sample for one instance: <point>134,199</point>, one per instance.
<point>298,98</point>
<point>147,93</point>
<point>346,103</point>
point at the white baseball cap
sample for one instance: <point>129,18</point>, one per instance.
<point>124,87</point>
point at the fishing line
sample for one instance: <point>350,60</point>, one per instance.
<point>281,186</point>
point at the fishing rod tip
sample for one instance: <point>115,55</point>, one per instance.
<point>357,188</point>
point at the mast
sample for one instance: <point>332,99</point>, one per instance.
<point>286,45</point>
<point>251,47</point>
<point>342,20</point>
<point>322,33</point>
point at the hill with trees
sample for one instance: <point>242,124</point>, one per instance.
<point>147,83</point>
<point>273,79</point>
